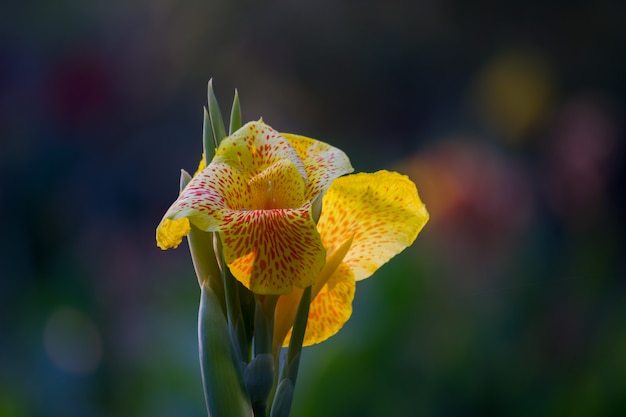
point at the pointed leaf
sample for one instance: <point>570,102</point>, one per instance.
<point>209,143</point>
<point>184,179</point>
<point>217,123</point>
<point>235,115</point>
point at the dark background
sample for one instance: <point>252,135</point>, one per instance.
<point>509,116</point>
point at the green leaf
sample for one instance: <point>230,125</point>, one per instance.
<point>235,115</point>
<point>205,263</point>
<point>202,254</point>
<point>217,123</point>
<point>222,376</point>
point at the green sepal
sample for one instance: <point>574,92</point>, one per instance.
<point>282,401</point>
<point>316,207</point>
<point>247,303</point>
<point>222,376</point>
<point>259,377</point>
<point>235,115</point>
<point>217,123</point>
<point>184,179</point>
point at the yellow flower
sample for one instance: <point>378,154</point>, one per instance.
<point>366,220</point>
<point>258,193</point>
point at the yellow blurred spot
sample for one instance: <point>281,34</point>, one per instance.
<point>513,93</point>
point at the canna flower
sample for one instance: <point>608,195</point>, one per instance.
<point>297,234</point>
<point>366,220</point>
<point>259,193</point>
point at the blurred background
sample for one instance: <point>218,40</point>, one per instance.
<point>509,116</point>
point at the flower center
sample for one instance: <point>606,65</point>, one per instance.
<point>268,199</point>
<point>279,186</point>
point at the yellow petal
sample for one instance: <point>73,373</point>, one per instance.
<point>270,251</point>
<point>278,186</point>
<point>287,305</point>
<point>201,166</point>
<point>322,163</point>
<point>255,147</point>
<point>331,309</point>
<point>382,211</point>
<point>170,233</point>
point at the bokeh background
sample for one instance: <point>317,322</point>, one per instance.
<point>509,116</point>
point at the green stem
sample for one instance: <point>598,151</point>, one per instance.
<point>297,334</point>
<point>263,337</point>
<point>281,395</point>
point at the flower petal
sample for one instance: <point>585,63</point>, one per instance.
<point>269,251</point>
<point>170,232</point>
<point>287,305</point>
<point>213,192</point>
<point>322,162</point>
<point>331,309</point>
<point>382,211</point>
<point>255,147</point>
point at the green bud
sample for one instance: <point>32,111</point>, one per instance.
<point>259,377</point>
<point>281,407</point>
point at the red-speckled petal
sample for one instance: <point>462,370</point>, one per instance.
<point>270,251</point>
<point>322,162</point>
<point>213,192</point>
<point>331,309</point>
<point>382,211</point>
<point>255,147</point>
